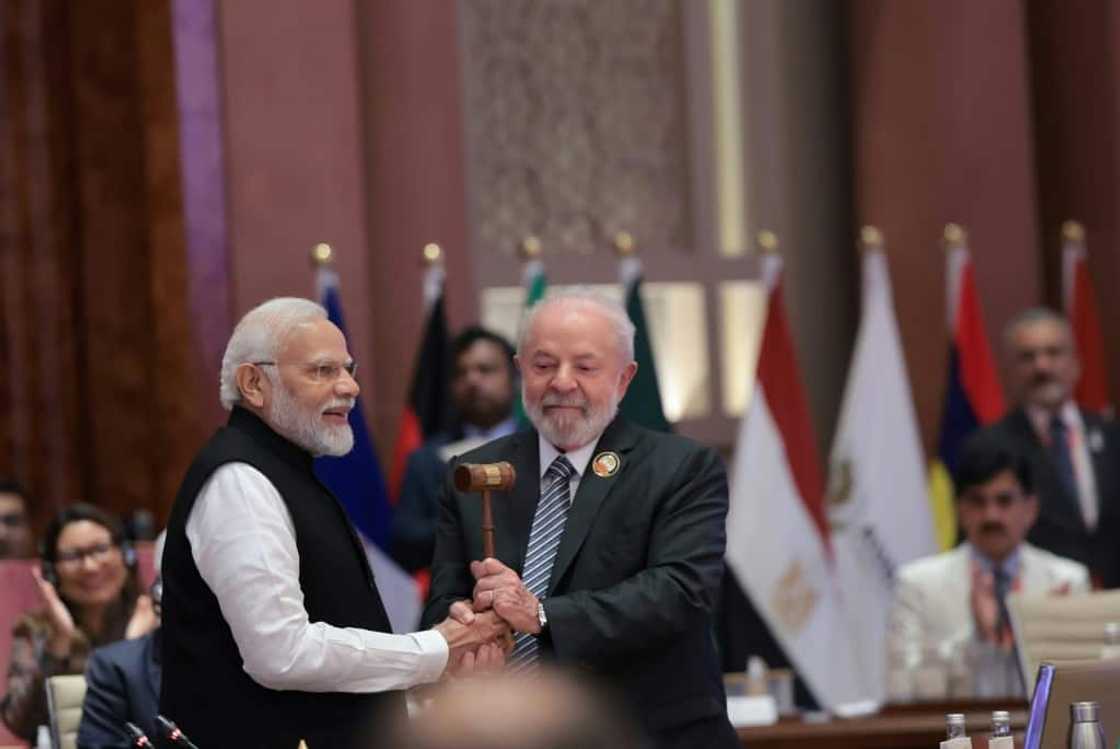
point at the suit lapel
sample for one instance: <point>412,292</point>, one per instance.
<point>514,511</point>
<point>619,437</point>
<point>1100,456</point>
<point>1059,507</point>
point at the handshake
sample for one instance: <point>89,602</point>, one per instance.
<point>479,631</point>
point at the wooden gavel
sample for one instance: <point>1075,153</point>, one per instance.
<point>485,478</point>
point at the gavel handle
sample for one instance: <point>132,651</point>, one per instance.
<point>487,526</point>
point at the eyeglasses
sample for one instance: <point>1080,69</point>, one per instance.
<point>73,558</point>
<point>13,519</point>
<point>318,372</point>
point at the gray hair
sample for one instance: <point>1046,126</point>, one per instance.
<point>1035,315</point>
<point>258,337</point>
<point>584,297</point>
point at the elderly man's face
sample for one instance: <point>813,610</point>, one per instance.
<point>996,515</point>
<point>573,373</point>
<point>310,399</point>
<point>15,528</point>
<point>482,385</point>
<point>1043,364</point>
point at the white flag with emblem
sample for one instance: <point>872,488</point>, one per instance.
<point>878,502</point>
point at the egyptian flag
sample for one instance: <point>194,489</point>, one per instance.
<point>429,402</point>
<point>973,396</point>
<point>777,536</point>
<point>1080,303</point>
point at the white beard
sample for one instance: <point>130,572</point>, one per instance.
<point>304,427</point>
<point>566,431</point>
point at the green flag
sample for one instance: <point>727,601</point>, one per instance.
<point>535,283</point>
<point>642,403</point>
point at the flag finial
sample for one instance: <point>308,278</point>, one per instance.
<point>1073,231</point>
<point>530,247</point>
<point>624,243</point>
<point>955,236</point>
<point>322,254</point>
<point>870,238</point>
<point>767,241</point>
<point>432,254</point>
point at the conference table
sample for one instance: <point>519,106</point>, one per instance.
<point>920,725</point>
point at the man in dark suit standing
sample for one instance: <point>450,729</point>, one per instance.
<point>610,546</point>
<point>482,386</point>
<point>1075,454</point>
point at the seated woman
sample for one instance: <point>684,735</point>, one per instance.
<point>89,585</point>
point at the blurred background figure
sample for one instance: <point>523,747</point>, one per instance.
<point>1074,454</point>
<point>15,526</point>
<point>89,587</point>
<point>950,609</point>
<point>544,710</point>
<point>483,386</point>
<point>122,682</point>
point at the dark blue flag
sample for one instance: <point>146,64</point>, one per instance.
<point>355,478</point>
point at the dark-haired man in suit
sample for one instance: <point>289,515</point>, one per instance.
<point>483,382</point>
<point>610,547</point>
<point>1075,454</point>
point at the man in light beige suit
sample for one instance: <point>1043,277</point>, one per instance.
<point>950,608</point>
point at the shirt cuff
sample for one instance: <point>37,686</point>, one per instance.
<point>433,655</point>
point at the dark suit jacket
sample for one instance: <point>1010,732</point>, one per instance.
<point>417,511</point>
<point>636,576</point>
<point>122,684</point>
<point>1060,527</point>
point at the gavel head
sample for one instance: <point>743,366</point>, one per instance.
<point>476,477</point>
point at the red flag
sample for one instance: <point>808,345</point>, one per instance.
<point>779,377</point>
<point>1080,303</point>
<point>425,412</point>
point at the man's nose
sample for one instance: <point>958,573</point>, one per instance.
<point>346,385</point>
<point>565,380</point>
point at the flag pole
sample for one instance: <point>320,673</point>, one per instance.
<point>1073,231</point>
<point>870,239</point>
<point>955,236</point>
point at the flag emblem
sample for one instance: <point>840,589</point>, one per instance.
<point>793,598</point>
<point>606,464</point>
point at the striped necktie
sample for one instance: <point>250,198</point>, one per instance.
<point>544,540</point>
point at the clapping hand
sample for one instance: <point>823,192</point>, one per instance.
<point>985,610</point>
<point>144,618</point>
<point>63,629</point>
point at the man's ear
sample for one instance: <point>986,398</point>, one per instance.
<point>626,378</point>
<point>252,384</point>
<point>1032,508</point>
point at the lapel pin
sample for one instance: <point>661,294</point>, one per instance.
<point>606,464</point>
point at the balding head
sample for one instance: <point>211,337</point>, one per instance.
<point>1041,358</point>
<point>576,356</point>
<point>545,710</point>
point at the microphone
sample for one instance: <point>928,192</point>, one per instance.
<point>173,734</point>
<point>136,735</point>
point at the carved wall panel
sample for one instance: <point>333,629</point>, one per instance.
<point>575,123</point>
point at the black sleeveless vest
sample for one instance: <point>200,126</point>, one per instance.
<point>205,688</point>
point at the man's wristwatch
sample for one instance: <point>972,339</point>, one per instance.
<point>542,618</point>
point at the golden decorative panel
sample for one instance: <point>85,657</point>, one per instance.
<point>575,123</point>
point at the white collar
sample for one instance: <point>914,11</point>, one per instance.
<point>1040,419</point>
<point>579,458</point>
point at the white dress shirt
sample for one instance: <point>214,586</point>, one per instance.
<point>578,458</point>
<point>1079,446</point>
<point>243,543</point>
